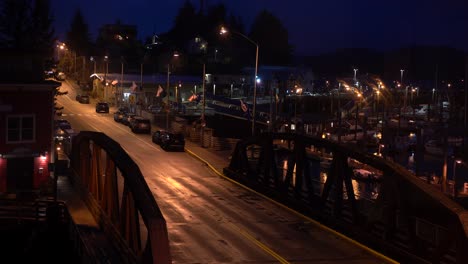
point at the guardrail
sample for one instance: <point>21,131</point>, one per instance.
<point>117,195</point>
<point>409,219</point>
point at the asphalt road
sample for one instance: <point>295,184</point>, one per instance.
<point>211,219</point>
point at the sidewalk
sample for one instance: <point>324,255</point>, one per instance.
<point>217,160</point>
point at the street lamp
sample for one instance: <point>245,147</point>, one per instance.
<point>455,191</point>
<point>355,71</point>
<point>406,88</point>
<point>94,61</point>
<point>204,97</point>
<point>225,31</point>
<point>174,55</point>
<point>106,60</point>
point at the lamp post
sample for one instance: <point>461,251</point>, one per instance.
<point>357,116</point>
<point>204,101</point>
<point>254,103</point>
<point>117,93</point>
<point>167,89</point>
<point>106,60</point>
<point>174,55</point>
<point>455,190</point>
<point>405,103</point>
<point>94,61</point>
<point>355,71</point>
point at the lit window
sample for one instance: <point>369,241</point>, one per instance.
<point>20,129</point>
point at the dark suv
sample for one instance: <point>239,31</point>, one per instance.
<point>140,125</point>
<point>102,107</point>
<point>168,140</point>
<point>84,99</point>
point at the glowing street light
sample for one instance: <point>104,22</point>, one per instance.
<point>223,31</point>
<point>94,61</point>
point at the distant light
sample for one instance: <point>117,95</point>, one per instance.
<point>223,31</point>
<point>259,80</point>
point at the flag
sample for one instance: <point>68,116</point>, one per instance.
<point>245,109</point>
<point>114,82</point>
<point>133,87</point>
<point>159,91</point>
<point>244,106</point>
<point>193,97</point>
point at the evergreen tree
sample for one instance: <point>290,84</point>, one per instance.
<point>272,37</point>
<point>42,31</point>
<point>186,26</point>
<point>26,30</point>
<point>78,37</point>
<point>15,25</point>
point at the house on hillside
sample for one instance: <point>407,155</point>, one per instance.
<point>27,122</point>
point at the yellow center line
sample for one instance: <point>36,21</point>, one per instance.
<point>261,245</point>
<point>242,231</point>
<point>316,223</point>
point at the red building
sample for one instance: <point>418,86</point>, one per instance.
<point>26,130</point>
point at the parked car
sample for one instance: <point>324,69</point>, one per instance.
<point>127,118</point>
<point>60,76</point>
<point>84,99</point>
<point>119,116</point>
<point>102,107</point>
<point>168,140</point>
<point>140,125</point>
<point>63,125</point>
<point>123,109</point>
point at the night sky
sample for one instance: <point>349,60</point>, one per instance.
<point>314,26</point>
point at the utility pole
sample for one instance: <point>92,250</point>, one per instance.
<point>167,105</point>
<point>121,83</point>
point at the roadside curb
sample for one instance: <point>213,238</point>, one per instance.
<point>314,222</point>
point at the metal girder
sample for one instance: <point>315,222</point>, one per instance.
<point>405,205</point>
<point>95,162</point>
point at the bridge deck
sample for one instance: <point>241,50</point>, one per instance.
<point>93,240</point>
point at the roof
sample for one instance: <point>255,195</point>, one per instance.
<point>154,78</point>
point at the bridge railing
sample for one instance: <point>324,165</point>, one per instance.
<point>408,218</point>
<point>115,191</point>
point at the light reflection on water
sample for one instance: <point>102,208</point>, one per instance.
<point>362,189</point>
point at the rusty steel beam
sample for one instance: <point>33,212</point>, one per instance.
<point>102,197</point>
<point>110,196</point>
<point>95,175</point>
<point>130,227</point>
<point>405,204</point>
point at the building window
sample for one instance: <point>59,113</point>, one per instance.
<point>20,129</point>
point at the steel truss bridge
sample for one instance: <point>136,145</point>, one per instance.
<point>408,220</point>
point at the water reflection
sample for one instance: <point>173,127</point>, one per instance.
<point>363,189</point>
